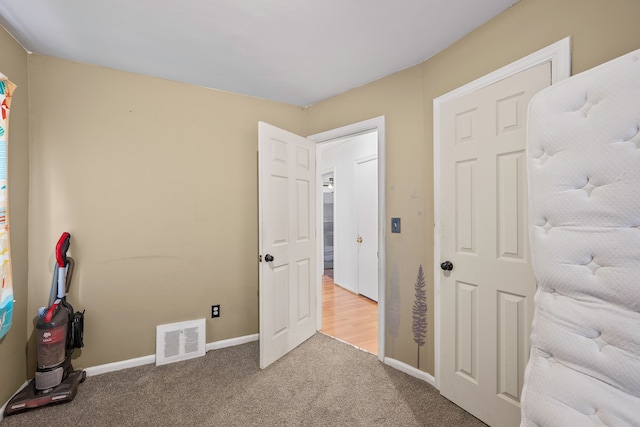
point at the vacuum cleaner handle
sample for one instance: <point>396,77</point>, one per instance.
<point>61,258</point>
<point>61,249</point>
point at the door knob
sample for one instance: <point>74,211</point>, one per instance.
<point>447,266</point>
<point>359,239</point>
<point>268,257</point>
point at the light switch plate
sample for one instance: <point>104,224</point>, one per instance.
<point>395,225</point>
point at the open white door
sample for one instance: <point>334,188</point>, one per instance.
<point>287,241</point>
<point>367,220</point>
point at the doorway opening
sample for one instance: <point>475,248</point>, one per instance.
<point>349,176</point>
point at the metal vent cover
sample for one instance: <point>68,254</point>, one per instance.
<point>180,341</point>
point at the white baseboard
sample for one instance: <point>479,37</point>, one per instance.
<point>146,360</point>
<point>217,345</point>
<point>408,369</point>
<point>123,364</point>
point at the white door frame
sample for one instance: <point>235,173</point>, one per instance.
<point>375,124</point>
<point>559,54</point>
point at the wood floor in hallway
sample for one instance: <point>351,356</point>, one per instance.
<point>349,317</point>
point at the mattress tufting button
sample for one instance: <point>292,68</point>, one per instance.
<point>600,342</point>
<point>593,266</point>
<point>548,357</point>
<point>546,226</point>
<point>544,157</point>
<point>595,419</point>
<point>588,105</point>
<point>588,187</point>
<point>634,133</point>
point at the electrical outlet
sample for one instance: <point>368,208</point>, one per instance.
<point>215,311</point>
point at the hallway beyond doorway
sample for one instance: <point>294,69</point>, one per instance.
<point>349,317</point>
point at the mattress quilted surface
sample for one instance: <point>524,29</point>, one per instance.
<point>583,155</point>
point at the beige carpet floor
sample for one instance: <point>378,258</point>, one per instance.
<point>323,382</point>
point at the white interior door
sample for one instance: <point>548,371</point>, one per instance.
<point>287,232</point>
<point>367,223</point>
<point>486,300</point>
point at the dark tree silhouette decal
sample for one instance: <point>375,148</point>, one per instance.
<point>420,313</point>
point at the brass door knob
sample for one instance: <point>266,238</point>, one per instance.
<point>359,240</point>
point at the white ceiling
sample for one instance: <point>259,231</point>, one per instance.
<point>295,51</point>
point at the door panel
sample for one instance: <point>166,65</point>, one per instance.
<point>287,233</point>
<point>487,298</point>
<point>466,221</point>
<point>513,344</point>
<point>512,220</point>
<point>466,330</point>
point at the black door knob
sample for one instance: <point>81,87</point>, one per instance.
<point>446,266</point>
<point>268,257</point>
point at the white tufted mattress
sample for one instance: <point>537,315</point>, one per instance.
<point>583,146</point>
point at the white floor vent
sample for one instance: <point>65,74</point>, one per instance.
<point>180,341</point>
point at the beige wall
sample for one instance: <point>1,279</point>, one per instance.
<point>13,64</point>
<point>157,183</point>
<point>599,30</point>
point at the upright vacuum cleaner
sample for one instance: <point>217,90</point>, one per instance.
<point>59,331</point>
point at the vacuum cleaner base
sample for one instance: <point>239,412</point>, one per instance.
<point>30,398</point>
